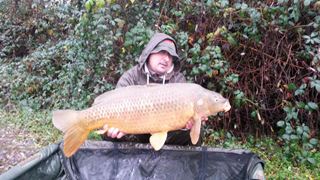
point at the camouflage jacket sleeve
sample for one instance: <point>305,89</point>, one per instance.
<point>134,76</point>
<point>126,79</point>
<point>179,78</point>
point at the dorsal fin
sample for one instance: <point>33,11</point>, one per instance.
<point>102,98</point>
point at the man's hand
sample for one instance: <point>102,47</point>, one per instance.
<point>190,122</point>
<point>113,132</point>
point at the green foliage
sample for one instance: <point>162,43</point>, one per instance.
<point>298,143</point>
<point>300,90</point>
<point>263,56</point>
<point>239,98</point>
<point>278,165</point>
<point>37,123</point>
<point>137,37</point>
<point>94,136</point>
<point>72,71</point>
<point>314,83</point>
<point>22,32</point>
<point>312,39</point>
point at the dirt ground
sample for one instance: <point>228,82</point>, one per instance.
<point>16,145</point>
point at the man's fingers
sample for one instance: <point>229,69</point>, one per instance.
<point>115,133</point>
<point>189,125</point>
<point>204,118</point>
<point>120,135</point>
<point>110,130</point>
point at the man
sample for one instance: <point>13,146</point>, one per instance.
<point>158,63</point>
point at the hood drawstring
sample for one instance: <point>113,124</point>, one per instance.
<point>164,79</point>
<point>148,73</point>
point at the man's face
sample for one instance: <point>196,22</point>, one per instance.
<point>160,62</point>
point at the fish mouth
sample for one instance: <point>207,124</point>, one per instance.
<point>227,106</point>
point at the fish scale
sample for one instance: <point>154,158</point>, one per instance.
<point>153,109</point>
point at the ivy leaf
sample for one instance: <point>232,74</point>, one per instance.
<point>306,2</point>
<point>286,137</point>
<point>88,5</point>
<point>238,98</point>
<point>300,104</point>
<point>305,135</point>
<point>232,40</point>
<point>254,115</point>
<point>293,137</point>
<point>311,160</point>
<point>315,84</point>
<point>282,1</point>
<point>234,78</point>
<point>313,105</point>
<point>300,90</point>
<point>299,130</point>
<point>306,129</point>
<point>314,34</point>
<point>292,87</point>
<point>100,3</point>
<point>313,141</point>
<point>289,129</point>
<point>280,123</point>
<point>317,40</point>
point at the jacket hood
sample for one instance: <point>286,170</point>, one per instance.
<point>154,41</point>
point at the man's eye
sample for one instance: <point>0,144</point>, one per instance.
<point>163,52</point>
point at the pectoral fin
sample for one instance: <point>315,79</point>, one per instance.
<point>157,140</point>
<point>195,131</point>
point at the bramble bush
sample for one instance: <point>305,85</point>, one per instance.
<point>263,55</point>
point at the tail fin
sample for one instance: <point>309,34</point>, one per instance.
<point>69,122</point>
<point>65,119</point>
<point>73,139</point>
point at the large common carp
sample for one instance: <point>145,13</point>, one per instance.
<point>154,109</point>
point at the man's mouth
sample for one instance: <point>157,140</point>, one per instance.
<point>163,65</point>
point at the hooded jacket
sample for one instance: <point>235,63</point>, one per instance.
<point>138,75</point>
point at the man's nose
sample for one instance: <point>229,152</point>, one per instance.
<point>165,56</point>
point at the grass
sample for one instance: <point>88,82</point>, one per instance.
<point>278,165</point>
<point>37,123</point>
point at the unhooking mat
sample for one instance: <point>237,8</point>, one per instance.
<point>131,161</point>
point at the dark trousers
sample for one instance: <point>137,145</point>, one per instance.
<point>179,137</point>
